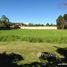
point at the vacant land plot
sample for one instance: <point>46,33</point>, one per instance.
<point>28,43</point>
<point>29,51</point>
<point>50,36</point>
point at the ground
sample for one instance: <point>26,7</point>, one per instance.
<point>29,43</point>
<point>29,51</point>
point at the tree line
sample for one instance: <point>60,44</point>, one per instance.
<point>6,24</point>
<point>61,23</point>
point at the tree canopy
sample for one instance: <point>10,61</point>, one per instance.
<point>4,21</point>
<point>65,17</point>
<point>61,21</point>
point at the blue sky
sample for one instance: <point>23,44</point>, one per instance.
<point>34,11</point>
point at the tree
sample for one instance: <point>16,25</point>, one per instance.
<point>4,21</point>
<point>30,24</point>
<point>60,22</point>
<point>65,17</point>
<point>47,24</point>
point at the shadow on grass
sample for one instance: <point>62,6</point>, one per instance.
<point>9,60</point>
<point>63,52</point>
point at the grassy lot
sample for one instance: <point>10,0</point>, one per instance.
<point>29,51</point>
<point>29,43</point>
<point>50,36</point>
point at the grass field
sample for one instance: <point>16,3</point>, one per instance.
<point>28,43</point>
<point>50,36</point>
<point>29,51</point>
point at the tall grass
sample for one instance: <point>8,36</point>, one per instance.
<point>50,36</point>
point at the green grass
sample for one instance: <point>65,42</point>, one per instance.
<point>28,43</point>
<point>50,36</point>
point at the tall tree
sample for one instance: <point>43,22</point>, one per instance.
<point>60,22</point>
<point>5,21</point>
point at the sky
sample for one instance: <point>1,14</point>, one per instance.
<point>33,11</point>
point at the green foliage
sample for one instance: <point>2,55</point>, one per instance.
<point>4,21</point>
<point>60,22</point>
<point>50,36</point>
<point>47,24</point>
<point>13,41</point>
<point>65,17</point>
<point>30,24</point>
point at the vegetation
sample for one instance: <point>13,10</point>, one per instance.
<point>65,17</point>
<point>6,24</point>
<point>29,43</point>
<point>62,22</point>
<point>47,24</point>
<point>29,51</point>
<point>50,36</point>
<point>4,21</point>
